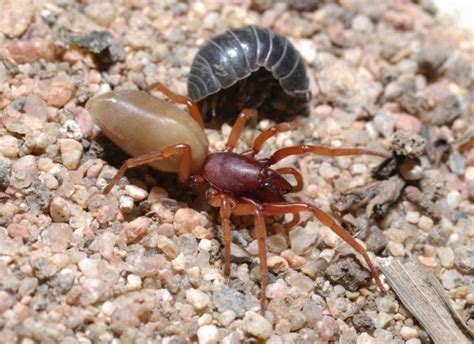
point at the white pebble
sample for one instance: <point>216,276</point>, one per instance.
<point>408,332</point>
<point>208,334</point>
<point>327,171</point>
<point>412,217</point>
<point>108,308</point>
<point>425,223</point>
<point>204,319</point>
<point>227,317</point>
<point>469,174</point>
<point>205,245</point>
<point>396,249</point>
<point>197,298</point>
<point>134,282</point>
<point>126,204</point>
<point>138,194</point>
<point>257,326</point>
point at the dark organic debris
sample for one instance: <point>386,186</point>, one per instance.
<point>414,195</point>
<point>348,272</point>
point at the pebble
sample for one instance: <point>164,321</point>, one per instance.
<point>157,194</point>
<point>134,282</point>
<point>59,210</point>
<point>186,219</point>
<point>327,171</point>
<point>71,153</point>
<point>23,172</point>
<point>126,204</point>
<point>446,256</point>
<point>169,248</point>
<point>277,290</point>
<point>226,318</point>
<point>60,234</point>
<point>276,243</point>
<point>232,338</point>
<point>412,217</point>
<point>89,267</point>
<point>17,230</point>
<point>407,122</point>
<point>464,260</point>
<point>226,298</point>
<point>208,334</point>
<point>396,249</point>
<point>137,228</point>
<point>5,171</point>
<point>9,146</point>
<point>16,16</point>
<point>302,238</point>
<point>277,264</point>
<point>327,328</point>
<point>425,223</point>
<point>469,174</point>
<point>6,301</point>
<point>293,259</point>
<point>256,325</point>
<point>365,338</point>
<point>138,194</point>
<point>451,279</point>
<point>408,332</point>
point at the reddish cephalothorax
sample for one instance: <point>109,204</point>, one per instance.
<point>238,184</point>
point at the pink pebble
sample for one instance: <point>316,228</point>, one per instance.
<point>407,122</point>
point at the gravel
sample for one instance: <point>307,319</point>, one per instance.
<point>145,262</point>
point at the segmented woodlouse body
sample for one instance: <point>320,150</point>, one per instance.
<point>249,67</point>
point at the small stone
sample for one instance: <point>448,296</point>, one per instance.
<point>71,153</point>
<point>137,228</point>
<point>408,332</point>
<point>425,223</point>
<point>9,147</point>
<point>469,174</point>
<point>412,217</point>
<point>451,279</point>
<point>208,334</point>
<point>5,171</point>
<point>17,230</point>
<point>226,298</point>
<point>239,255</point>
<point>446,256</point>
<point>348,272</point>
<point>277,290</point>
<point>226,318</point>
<point>23,172</point>
<point>103,13</point>
<point>126,204</point>
<point>16,16</point>
<point>108,308</point>
<point>27,286</point>
<point>60,235</point>
<point>169,248</point>
<point>197,298</point>
<point>276,243</point>
<point>277,264</point>
<point>302,282</point>
<point>59,210</point>
<point>327,171</point>
<point>383,319</point>
<point>327,328</point>
<point>465,259</point>
<point>365,338</point>
<point>293,259</point>
<point>413,341</point>
<point>157,194</point>
<point>428,261</point>
<point>138,194</point>
<point>6,301</point>
<point>256,325</point>
<point>396,249</point>
<point>204,319</point>
<point>186,219</point>
<point>232,338</point>
<point>302,238</point>
<point>456,163</point>
<point>376,240</point>
<point>407,122</point>
<point>89,267</point>
<point>384,123</point>
<point>362,322</point>
<point>134,282</point>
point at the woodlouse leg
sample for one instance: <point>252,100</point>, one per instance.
<point>254,209</point>
<point>237,128</point>
<point>298,177</point>
<point>326,219</point>
<point>320,150</point>
<point>184,168</point>
<point>179,99</point>
<point>265,135</point>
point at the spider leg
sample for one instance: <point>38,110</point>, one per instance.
<point>184,167</point>
<point>320,150</point>
<point>238,127</point>
<point>267,134</point>
<point>179,99</point>
<point>326,219</point>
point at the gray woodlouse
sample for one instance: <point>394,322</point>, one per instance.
<point>249,67</point>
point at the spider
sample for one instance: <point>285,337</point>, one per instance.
<point>237,183</point>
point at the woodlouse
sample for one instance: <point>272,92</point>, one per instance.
<point>249,67</point>
<point>239,184</point>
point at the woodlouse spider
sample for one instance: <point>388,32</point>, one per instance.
<point>238,184</point>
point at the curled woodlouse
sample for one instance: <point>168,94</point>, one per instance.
<point>249,67</point>
<point>163,136</point>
